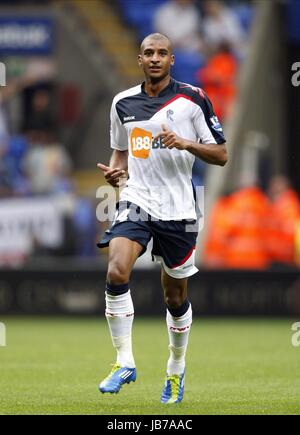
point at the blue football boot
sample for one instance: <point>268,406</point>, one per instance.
<point>117,377</point>
<point>173,389</point>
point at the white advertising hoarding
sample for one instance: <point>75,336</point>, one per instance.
<point>24,222</point>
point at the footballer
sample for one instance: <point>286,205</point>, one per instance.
<point>158,129</point>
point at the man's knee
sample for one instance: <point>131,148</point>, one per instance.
<point>117,273</point>
<point>174,298</point>
<point>175,291</point>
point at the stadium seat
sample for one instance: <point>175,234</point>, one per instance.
<point>186,66</point>
<point>245,14</point>
<point>12,176</point>
<point>140,18</point>
<point>17,149</point>
<point>84,224</point>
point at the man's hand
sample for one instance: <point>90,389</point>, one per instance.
<point>170,139</point>
<point>115,176</point>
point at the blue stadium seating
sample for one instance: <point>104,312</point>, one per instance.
<point>85,226</point>
<point>12,161</point>
<point>186,66</point>
<point>245,15</point>
<point>140,15</point>
<point>17,149</point>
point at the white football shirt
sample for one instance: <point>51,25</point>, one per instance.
<point>160,179</point>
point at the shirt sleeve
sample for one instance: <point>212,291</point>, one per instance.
<point>206,123</point>
<point>118,133</point>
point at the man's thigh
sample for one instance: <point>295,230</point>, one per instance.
<point>123,253</point>
<point>125,227</point>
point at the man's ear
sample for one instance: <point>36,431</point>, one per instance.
<point>140,60</point>
<point>172,59</point>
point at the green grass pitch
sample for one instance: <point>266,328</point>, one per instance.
<point>234,366</point>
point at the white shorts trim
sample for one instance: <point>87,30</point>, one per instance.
<point>183,271</point>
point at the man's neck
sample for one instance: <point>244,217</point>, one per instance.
<point>153,89</point>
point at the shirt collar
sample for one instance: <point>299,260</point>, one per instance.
<point>163,92</point>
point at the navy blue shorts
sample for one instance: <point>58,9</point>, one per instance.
<point>173,241</point>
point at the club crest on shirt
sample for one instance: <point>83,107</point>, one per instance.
<point>169,115</point>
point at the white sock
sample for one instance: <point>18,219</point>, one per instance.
<point>119,314</point>
<point>179,330</point>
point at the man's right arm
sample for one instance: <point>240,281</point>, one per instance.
<point>116,172</point>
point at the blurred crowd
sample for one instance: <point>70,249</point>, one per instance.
<point>253,229</point>
<point>34,163</point>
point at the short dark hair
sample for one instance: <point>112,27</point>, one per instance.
<point>156,36</point>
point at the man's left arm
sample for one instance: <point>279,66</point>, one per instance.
<point>212,153</point>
